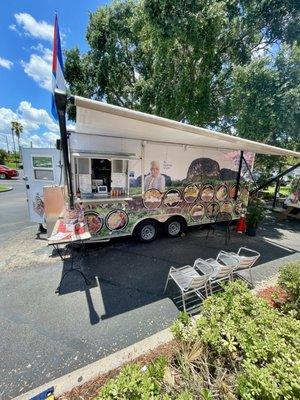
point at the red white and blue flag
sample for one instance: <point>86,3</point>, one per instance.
<point>58,80</point>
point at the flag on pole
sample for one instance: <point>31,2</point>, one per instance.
<point>58,80</point>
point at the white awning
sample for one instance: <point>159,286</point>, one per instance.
<point>97,118</point>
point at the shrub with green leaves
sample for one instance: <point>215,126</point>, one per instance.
<point>238,348</point>
<point>289,279</point>
<point>135,383</point>
<point>258,344</point>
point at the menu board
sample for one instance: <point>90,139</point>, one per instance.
<point>85,183</point>
<point>118,180</point>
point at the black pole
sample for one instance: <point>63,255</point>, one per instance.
<point>271,180</point>
<point>238,179</point>
<point>275,193</point>
<point>276,189</point>
<point>61,105</point>
<point>250,172</point>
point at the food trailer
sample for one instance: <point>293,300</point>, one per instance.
<point>127,172</point>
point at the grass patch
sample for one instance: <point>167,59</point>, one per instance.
<point>3,188</point>
<point>284,191</point>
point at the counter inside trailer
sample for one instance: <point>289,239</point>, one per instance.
<point>102,199</point>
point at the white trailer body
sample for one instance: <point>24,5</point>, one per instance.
<point>42,168</point>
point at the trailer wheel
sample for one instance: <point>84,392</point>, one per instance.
<point>146,231</point>
<point>174,227</point>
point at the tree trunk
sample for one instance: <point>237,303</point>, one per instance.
<point>20,153</point>
<point>13,138</point>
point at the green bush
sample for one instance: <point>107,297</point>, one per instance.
<point>134,383</point>
<point>3,156</point>
<point>256,212</point>
<point>257,344</point>
<point>289,279</point>
<point>238,348</point>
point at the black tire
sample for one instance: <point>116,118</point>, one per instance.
<point>3,175</point>
<point>174,227</point>
<point>146,231</point>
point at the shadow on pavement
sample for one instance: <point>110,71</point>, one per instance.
<point>131,275</point>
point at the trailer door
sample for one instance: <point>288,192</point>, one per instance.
<point>42,167</point>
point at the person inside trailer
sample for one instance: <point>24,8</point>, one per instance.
<point>155,180</point>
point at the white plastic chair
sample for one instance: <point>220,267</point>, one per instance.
<point>189,280</point>
<point>246,259</point>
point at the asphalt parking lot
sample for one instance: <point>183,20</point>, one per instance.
<point>45,335</point>
<point>13,208</point>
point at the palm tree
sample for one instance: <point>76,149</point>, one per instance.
<point>17,128</point>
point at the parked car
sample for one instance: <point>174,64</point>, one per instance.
<point>7,173</point>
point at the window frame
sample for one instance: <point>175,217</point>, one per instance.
<point>42,168</point>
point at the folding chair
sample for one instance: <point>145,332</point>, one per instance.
<point>188,281</point>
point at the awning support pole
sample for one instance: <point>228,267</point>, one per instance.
<point>250,172</point>
<point>238,179</point>
<point>276,189</point>
<point>271,180</point>
<point>61,106</point>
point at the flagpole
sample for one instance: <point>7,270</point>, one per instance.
<point>61,106</point>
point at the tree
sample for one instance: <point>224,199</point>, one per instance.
<point>17,128</point>
<point>179,59</point>
<point>3,156</point>
<point>266,102</point>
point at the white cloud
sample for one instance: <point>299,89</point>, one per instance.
<point>35,139</point>
<point>34,120</point>
<point>39,67</point>
<point>6,63</point>
<point>37,116</point>
<point>47,139</point>
<point>51,137</point>
<point>33,28</point>
<point>13,27</point>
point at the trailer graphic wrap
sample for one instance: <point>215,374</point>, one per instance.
<point>198,187</point>
<point>119,218</point>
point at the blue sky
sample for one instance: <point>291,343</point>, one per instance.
<point>25,62</point>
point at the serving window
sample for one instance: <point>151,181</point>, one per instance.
<point>104,177</point>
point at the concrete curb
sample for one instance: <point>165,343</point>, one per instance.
<point>6,190</point>
<point>78,377</point>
